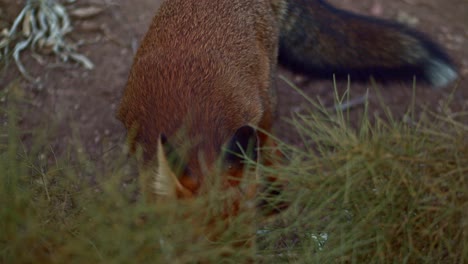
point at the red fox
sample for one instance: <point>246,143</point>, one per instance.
<point>201,89</point>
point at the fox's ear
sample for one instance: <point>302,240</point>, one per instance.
<point>244,142</point>
<point>166,182</point>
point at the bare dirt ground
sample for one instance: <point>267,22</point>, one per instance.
<point>73,103</point>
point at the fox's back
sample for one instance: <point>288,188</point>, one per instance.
<point>224,28</point>
<point>205,64</point>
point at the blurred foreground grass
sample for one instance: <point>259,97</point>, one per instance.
<point>384,192</point>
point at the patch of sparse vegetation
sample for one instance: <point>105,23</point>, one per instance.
<point>384,192</point>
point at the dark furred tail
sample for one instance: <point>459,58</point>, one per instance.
<point>320,40</point>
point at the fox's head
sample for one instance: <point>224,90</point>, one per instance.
<point>187,172</point>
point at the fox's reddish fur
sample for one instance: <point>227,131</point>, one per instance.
<point>204,73</point>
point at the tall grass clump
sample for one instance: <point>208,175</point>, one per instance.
<point>381,191</point>
<point>67,209</point>
<point>386,191</point>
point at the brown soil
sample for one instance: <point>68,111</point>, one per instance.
<point>74,103</point>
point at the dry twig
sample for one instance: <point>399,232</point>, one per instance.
<point>41,25</point>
